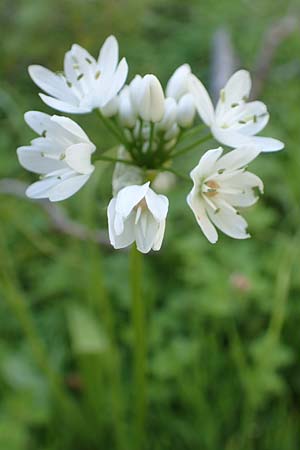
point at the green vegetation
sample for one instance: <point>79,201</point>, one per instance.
<point>222,331</point>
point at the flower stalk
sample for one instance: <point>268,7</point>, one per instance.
<point>139,345</point>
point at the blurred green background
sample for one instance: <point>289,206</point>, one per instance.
<point>222,333</point>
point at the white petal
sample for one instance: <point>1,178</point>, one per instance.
<point>196,204</point>
<point>109,55</point>
<point>111,108</point>
<point>111,212</point>
<point>71,127</point>
<point>71,108</point>
<point>31,159</point>
<point>67,188</point>
<point>145,231</point>
<point>266,144</point>
<point>238,158</point>
<point>41,189</point>
<point>186,111</point>
<point>152,101</point>
<point>129,197</point>
<point>135,92</point>
<point>78,158</point>
<point>157,204</point>
<point>159,236</point>
<point>237,89</point>
<point>127,114</point>
<point>113,83</point>
<point>50,82</point>
<point>170,114</point>
<point>202,100</point>
<point>206,165</point>
<point>127,237</point>
<point>177,85</point>
<point>229,222</point>
<point>38,121</point>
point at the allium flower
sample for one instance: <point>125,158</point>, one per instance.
<point>86,83</point>
<point>178,84</point>
<point>151,99</point>
<point>234,122</point>
<point>137,214</point>
<point>62,155</point>
<point>220,185</point>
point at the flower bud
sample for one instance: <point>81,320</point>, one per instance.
<point>111,108</point>
<point>124,174</point>
<point>127,114</point>
<point>152,100</point>
<point>186,111</point>
<point>170,114</point>
<point>172,132</point>
<point>135,92</point>
<point>177,85</point>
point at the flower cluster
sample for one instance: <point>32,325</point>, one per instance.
<point>152,127</point>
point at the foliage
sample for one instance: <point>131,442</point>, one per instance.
<point>222,327</point>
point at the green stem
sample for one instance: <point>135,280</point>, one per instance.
<point>115,160</point>
<point>152,126</point>
<point>112,128</point>
<point>282,287</point>
<point>191,147</point>
<point>190,132</point>
<point>139,345</point>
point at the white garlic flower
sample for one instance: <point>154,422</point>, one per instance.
<point>62,155</point>
<point>86,83</point>
<point>137,214</point>
<point>234,122</point>
<point>222,183</point>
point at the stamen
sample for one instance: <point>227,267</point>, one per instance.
<point>54,156</point>
<point>89,60</point>
<point>138,214</point>
<point>80,76</point>
<point>222,95</point>
<point>210,203</point>
<point>210,188</point>
<point>97,74</point>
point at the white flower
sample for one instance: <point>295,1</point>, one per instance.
<point>186,111</point>
<point>135,89</point>
<point>170,114</point>
<point>127,114</point>
<point>137,214</point>
<point>111,108</point>
<point>234,122</point>
<point>178,84</point>
<point>86,83</point>
<point>151,99</point>
<point>220,185</point>
<point>62,155</point>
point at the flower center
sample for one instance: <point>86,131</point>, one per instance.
<point>211,188</point>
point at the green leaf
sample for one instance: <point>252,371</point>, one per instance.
<point>87,335</point>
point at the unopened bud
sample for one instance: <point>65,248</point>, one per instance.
<point>172,132</point>
<point>177,85</point>
<point>152,101</point>
<point>111,108</point>
<point>125,174</point>
<point>170,114</point>
<point>127,114</point>
<point>186,111</point>
<point>135,92</point>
